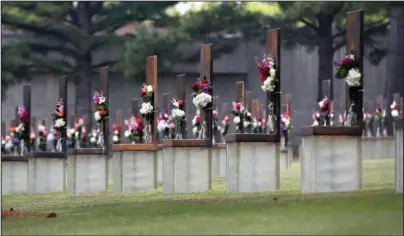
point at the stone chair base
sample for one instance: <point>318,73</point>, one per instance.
<point>285,160</point>
<point>187,166</point>
<point>399,155</point>
<point>134,167</point>
<point>87,170</point>
<point>47,172</point>
<point>14,174</point>
<point>378,147</point>
<point>219,160</point>
<point>252,163</point>
<point>331,159</point>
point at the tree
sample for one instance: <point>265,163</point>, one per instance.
<point>74,31</point>
<point>323,24</point>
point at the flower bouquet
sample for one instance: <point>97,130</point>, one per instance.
<point>72,137</point>
<point>348,69</point>
<point>238,113</point>
<point>59,122</point>
<point>202,99</point>
<point>380,117</point>
<point>196,126</point>
<point>21,131</point>
<point>367,120</point>
<point>134,130</point>
<point>323,115</point>
<point>286,127</point>
<point>8,145</point>
<point>247,121</point>
<point>80,133</point>
<point>226,125</point>
<point>94,137</point>
<point>178,113</point>
<point>257,126</point>
<point>147,110</point>
<point>116,138</point>
<point>395,113</point>
<point>101,113</point>
<point>267,71</point>
<point>162,125</point>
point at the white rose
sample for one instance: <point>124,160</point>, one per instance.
<point>127,133</point>
<point>149,88</point>
<point>101,99</point>
<point>236,120</point>
<point>394,113</point>
<point>272,72</point>
<point>115,138</point>
<point>59,123</point>
<point>93,140</point>
<point>177,113</point>
<point>353,78</point>
<point>194,130</point>
<point>97,116</point>
<point>146,108</point>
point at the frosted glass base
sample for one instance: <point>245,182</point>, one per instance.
<point>87,174</point>
<point>46,175</point>
<point>14,177</point>
<point>284,159</point>
<point>399,160</point>
<point>160,166</point>
<point>252,167</point>
<point>186,169</point>
<point>219,160</point>
<point>378,147</point>
<point>331,163</point>
<point>134,171</point>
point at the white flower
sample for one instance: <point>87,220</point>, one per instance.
<point>59,123</point>
<point>9,145</point>
<point>3,142</point>
<point>394,113</point>
<point>248,114</point>
<point>353,78</point>
<point>259,123</point>
<point>93,140</point>
<point>97,116</point>
<point>41,127</point>
<point>116,132</point>
<point>50,137</point>
<point>194,120</point>
<point>175,104</point>
<point>321,103</point>
<point>71,132</point>
<point>20,128</point>
<point>317,114</point>
<point>236,120</point>
<point>286,121</point>
<point>202,100</point>
<point>127,133</point>
<point>393,105</point>
<point>351,56</point>
<point>115,138</point>
<point>177,113</point>
<point>146,108</point>
<point>246,123</point>
<point>267,86</point>
<point>101,99</point>
<point>315,123</point>
<point>149,88</point>
<point>195,130</point>
<point>83,129</point>
<point>162,125</point>
<point>272,72</point>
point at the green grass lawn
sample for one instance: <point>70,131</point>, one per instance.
<point>375,210</point>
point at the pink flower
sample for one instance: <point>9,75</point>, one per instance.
<point>171,125</point>
<point>236,106</point>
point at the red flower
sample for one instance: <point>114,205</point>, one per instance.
<point>345,59</point>
<point>116,128</point>
<point>227,119</point>
<point>195,86</point>
<point>24,116</point>
<point>197,119</point>
<point>264,71</point>
<point>259,119</point>
<point>41,132</point>
<point>238,106</point>
<point>55,133</point>
<point>180,102</point>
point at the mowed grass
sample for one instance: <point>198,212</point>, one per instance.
<point>375,210</point>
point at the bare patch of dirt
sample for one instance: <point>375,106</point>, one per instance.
<point>23,214</point>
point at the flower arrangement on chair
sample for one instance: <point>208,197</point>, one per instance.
<point>238,112</point>
<point>21,131</point>
<point>226,125</point>
<point>134,130</point>
<point>147,110</point>
<point>59,123</point>
<point>367,120</point>
<point>348,69</point>
<point>202,90</point>
<point>163,125</point>
<point>286,127</point>
<point>196,125</point>
<point>267,71</point>
<point>380,117</point>
<point>101,114</point>
<point>72,137</point>
<point>178,113</point>
<point>7,144</point>
<point>257,126</point>
<point>116,138</point>
<point>395,113</point>
<point>94,138</point>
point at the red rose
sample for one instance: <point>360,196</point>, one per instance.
<point>264,72</point>
<point>195,87</point>
<point>198,119</point>
<point>116,128</point>
<point>180,102</point>
<point>41,133</point>
<point>238,106</point>
<point>227,119</point>
<point>55,133</point>
<point>139,122</point>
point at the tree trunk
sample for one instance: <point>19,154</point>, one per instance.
<point>84,81</point>
<point>395,76</point>
<point>325,54</point>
